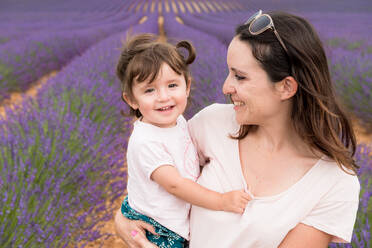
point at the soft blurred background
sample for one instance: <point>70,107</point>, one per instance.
<point>62,137</point>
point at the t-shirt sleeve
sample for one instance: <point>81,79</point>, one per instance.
<point>195,126</point>
<point>151,155</point>
<point>335,214</point>
<point>209,123</point>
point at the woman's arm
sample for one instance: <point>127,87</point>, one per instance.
<point>126,229</point>
<point>169,178</point>
<point>304,236</point>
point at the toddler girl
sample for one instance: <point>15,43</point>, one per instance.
<point>162,161</point>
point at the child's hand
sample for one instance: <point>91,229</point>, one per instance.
<point>235,201</point>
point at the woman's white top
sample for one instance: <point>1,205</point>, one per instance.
<point>325,198</point>
<point>150,147</point>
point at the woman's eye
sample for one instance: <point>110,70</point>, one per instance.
<point>149,90</point>
<point>239,77</point>
<point>172,85</point>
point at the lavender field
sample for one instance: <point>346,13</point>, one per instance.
<point>62,166</point>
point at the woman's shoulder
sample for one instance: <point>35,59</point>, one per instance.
<point>215,112</point>
<point>212,121</point>
<point>339,172</point>
<point>213,118</point>
<point>342,181</point>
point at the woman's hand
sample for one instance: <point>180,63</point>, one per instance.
<point>132,232</point>
<point>142,241</point>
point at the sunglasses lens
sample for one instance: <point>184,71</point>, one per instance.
<point>253,16</point>
<point>260,24</point>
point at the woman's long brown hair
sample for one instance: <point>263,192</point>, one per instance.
<point>316,115</point>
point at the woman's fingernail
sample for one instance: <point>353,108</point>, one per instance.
<point>134,233</point>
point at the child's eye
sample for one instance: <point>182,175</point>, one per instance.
<point>149,90</point>
<point>239,77</point>
<point>172,85</point>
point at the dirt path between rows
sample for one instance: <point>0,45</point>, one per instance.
<point>111,240</point>
<point>17,97</point>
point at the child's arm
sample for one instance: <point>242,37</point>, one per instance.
<point>170,179</point>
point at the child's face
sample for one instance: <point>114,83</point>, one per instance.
<point>163,100</point>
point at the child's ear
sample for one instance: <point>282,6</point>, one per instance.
<point>287,87</point>
<point>132,103</point>
<point>188,87</point>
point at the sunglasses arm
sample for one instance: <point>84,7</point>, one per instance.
<point>280,40</point>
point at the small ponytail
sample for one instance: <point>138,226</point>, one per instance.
<point>190,49</point>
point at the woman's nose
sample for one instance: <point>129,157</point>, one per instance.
<point>228,87</point>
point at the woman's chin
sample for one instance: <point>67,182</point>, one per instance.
<point>246,122</point>
<point>243,121</point>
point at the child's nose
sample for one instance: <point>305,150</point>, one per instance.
<point>163,95</point>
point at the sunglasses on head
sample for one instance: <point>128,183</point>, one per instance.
<point>259,23</point>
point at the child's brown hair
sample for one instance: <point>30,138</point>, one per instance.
<point>142,58</point>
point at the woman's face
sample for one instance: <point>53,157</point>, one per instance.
<point>255,98</point>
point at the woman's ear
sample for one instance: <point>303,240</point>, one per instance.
<point>131,102</point>
<point>287,87</point>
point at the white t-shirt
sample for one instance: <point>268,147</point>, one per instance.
<point>325,197</point>
<point>150,147</point>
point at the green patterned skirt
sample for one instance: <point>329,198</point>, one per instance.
<point>166,238</point>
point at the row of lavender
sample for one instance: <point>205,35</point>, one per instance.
<point>7,6</point>
<point>347,43</point>
<point>17,26</point>
<point>62,153</point>
<point>209,75</point>
<point>35,44</point>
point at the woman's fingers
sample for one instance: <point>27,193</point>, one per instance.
<point>141,240</point>
<point>123,229</point>
<point>132,232</point>
<point>147,227</point>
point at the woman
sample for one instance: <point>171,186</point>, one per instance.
<point>284,139</point>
